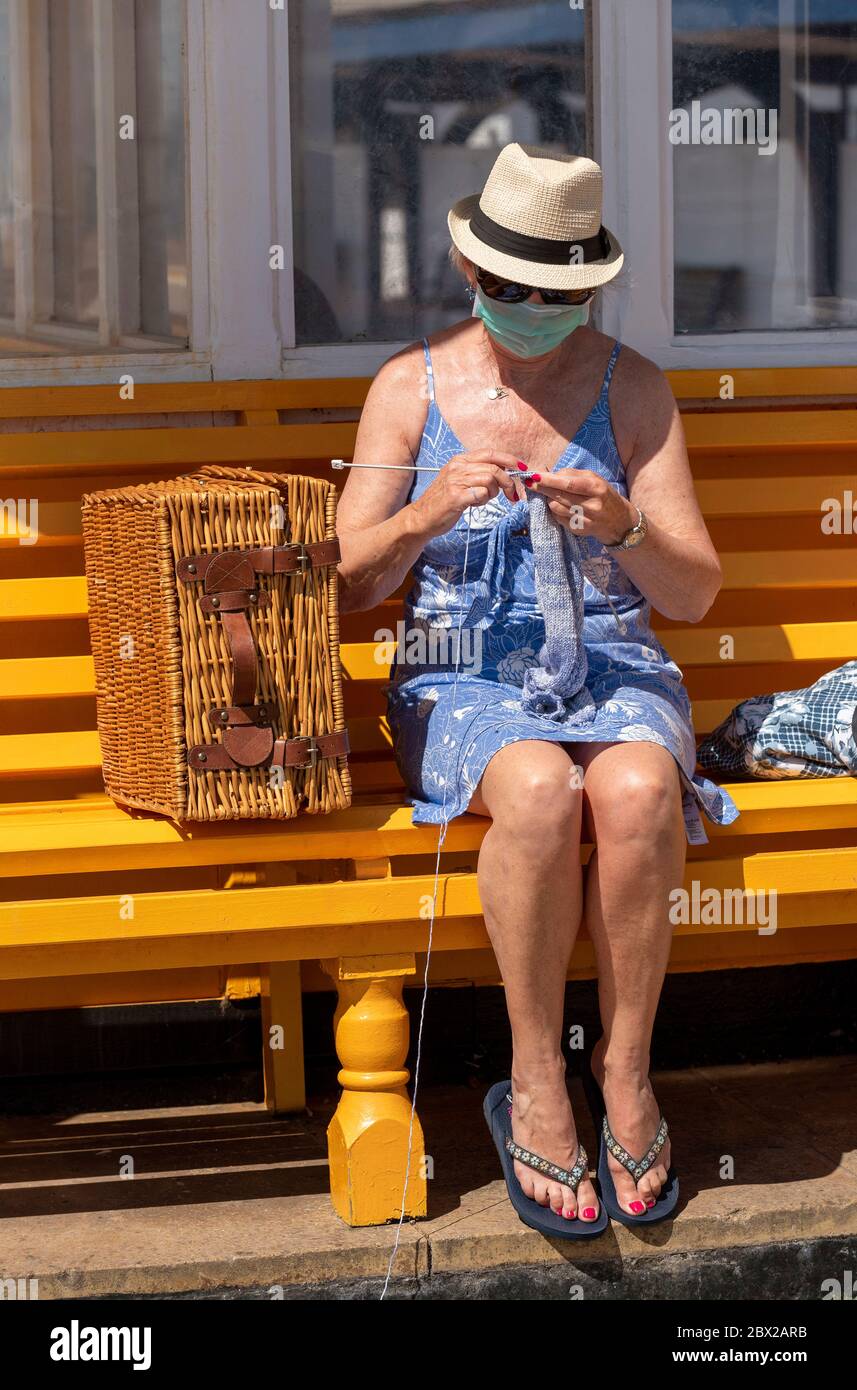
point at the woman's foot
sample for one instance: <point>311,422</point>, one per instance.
<point>543,1123</point>
<point>633,1115</point>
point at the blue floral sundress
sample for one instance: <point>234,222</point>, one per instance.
<point>445,737</point>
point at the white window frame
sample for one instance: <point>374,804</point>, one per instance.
<point>236,207</point>
<point>633,45</point>
<point>239,205</point>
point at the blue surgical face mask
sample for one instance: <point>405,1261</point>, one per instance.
<point>526,329</point>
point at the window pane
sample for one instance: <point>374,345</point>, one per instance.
<point>161,159</point>
<point>765,164</point>
<point>399,108</point>
<point>72,162</point>
<point>99,270</point>
<point>7,223</point>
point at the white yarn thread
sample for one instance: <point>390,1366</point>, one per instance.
<point>444,826</point>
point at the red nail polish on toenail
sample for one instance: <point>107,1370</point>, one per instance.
<point>589,1213</point>
<point>637,1206</point>
<point>569,1215</point>
<point>650,1203</point>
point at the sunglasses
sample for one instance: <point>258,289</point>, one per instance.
<point>512,292</point>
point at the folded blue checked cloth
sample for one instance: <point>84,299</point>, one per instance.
<point>795,733</point>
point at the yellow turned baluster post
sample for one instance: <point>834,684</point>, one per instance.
<point>367,1139</point>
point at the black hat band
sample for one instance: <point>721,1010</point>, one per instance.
<point>545,250</point>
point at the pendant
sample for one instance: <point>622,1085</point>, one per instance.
<point>494,392</point>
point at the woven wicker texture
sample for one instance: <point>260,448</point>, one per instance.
<point>161,663</point>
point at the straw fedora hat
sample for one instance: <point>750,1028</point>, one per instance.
<point>538,221</point>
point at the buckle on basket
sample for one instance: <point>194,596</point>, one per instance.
<point>312,751</point>
<point>303,558</point>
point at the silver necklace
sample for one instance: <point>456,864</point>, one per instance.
<point>496,391</point>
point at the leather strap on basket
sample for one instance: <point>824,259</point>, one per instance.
<point>286,752</point>
<point>268,559</point>
<point>229,580</point>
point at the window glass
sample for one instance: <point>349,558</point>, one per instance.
<point>764,129</point>
<point>69,153</point>
<point>93,250</point>
<point>7,221</point>
<point>399,108</point>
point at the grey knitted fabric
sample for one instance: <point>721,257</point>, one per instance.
<point>556,688</point>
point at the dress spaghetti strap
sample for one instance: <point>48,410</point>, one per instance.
<point>429,369</point>
<point>605,387</point>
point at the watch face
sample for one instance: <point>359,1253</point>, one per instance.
<point>638,533</point>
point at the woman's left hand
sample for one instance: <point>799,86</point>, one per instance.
<point>587,504</point>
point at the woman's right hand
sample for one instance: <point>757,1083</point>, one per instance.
<point>467,480</point>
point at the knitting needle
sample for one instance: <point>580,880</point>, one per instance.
<point>416,468</point>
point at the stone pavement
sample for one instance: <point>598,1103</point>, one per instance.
<point>229,1198</point>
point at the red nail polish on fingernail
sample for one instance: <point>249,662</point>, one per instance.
<point>522,465</point>
<point>589,1213</point>
<point>527,482</point>
<point>637,1206</point>
<point>537,477</point>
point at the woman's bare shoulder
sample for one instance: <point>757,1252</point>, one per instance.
<point>396,402</point>
<point>641,400</point>
<point>636,379</point>
<point>404,368</point>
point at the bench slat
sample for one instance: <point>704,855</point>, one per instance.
<point>285,913</point>
<point>130,450</point>
<point>313,392</point>
<point>24,599</point>
<point>95,836</point>
<point>181,397</point>
<point>765,381</point>
<point>120,451</point>
<point>59,677</point>
<point>763,497</point>
<point>48,754</point>
<point>789,431</point>
<point>59,523</point>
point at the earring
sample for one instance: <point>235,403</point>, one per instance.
<point>471,293</point>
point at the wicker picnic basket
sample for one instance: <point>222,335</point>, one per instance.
<point>215,633</point>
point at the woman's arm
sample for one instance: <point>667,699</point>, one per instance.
<point>676,566</point>
<point>380,536</point>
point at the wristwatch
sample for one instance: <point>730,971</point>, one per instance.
<point>633,536</point>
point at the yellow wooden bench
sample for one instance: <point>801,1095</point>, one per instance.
<point>103,906</point>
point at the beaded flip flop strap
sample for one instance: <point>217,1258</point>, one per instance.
<point>569,1177</point>
<point>636,1166</point>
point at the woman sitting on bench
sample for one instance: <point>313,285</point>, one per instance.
<point>544,504</point>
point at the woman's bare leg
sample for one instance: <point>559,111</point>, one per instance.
<point>530,886</point>
<point>633,807</point>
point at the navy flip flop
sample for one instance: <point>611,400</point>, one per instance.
<point>607,1144</point>
<point>497,1109</point>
